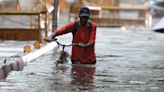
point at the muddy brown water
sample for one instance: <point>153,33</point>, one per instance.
<point>127,61</point>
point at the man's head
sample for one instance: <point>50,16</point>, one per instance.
<point>84,11</point>
<point>84,14</point>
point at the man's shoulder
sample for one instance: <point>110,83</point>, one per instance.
<point>93,23</point>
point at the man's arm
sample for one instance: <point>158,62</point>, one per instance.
<point>63,30</point>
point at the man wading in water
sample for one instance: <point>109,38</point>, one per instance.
<point>84,35</point>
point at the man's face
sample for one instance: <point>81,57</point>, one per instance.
<point>84,20</point>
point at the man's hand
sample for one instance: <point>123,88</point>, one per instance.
<point>82,45</point>
<point>50,38</point>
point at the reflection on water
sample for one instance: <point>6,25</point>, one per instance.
<point>76,77</point>
<point>83,76</point>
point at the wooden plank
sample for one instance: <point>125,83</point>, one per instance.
<point>117,21</point>
<point>20,34</point>
<point>16,12</point>
<point>128,8</point>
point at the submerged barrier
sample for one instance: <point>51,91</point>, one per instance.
<point>159,27</point>
<point>19,64</point>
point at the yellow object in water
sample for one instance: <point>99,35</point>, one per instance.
<point>27,49</point>
<point>37,45</point>
<point>43,41</point>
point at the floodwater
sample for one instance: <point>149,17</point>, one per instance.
<point>129,60</point>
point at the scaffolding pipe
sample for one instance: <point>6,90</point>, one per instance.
<point>55,13</point>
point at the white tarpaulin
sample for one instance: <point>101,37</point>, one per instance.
<point>159,27</point>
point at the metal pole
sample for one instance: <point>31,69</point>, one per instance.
<point>46,16</point>
<point>55,14</point>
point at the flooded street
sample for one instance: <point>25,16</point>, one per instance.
<point>127,61</point>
